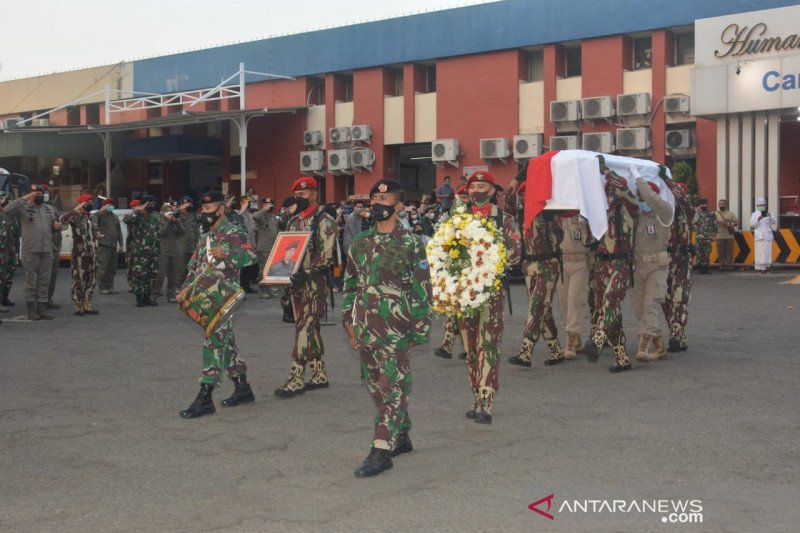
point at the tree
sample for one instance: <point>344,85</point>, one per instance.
<point>683,172</point>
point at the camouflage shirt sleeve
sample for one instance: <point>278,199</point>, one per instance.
<point>350,284</point>
<point>238,251</point>
<point>512,240</point>
<point>322,257</point>
<point>420,296</point>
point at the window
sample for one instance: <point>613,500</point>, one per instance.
<point>572,61</point>
<point>642,53</point>
<point>684,49</point>
<point>316,93</point>
<point>348,87</point>
<point>535,66</point>
<point>398,81</point>
<point>430,78</point>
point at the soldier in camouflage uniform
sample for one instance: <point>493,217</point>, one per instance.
<point>679,282</point>
<point>612,270</point>
<point>482,334</point>
<point>309,289</point>
<point>191,235</point>
<point>128,256</point>
<point>705,224</point>
<point>385,312</point>
<point>145,249</point>
<point>224,247</point>
<point>9,251</point>
<point>288,210</point>
<point>541,264</point>
<point>107,224</point>
<point>451,333</point>
<point>84,252</point>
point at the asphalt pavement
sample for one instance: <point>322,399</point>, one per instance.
<point>90,437</point>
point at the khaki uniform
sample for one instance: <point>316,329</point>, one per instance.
<point>36,223</point>
<point>725,238</point>
<point>575,282</point>
<point>652,265</point>
<point>170,262</point>
<point>107,224</point>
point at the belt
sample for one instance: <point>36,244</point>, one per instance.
<point>543,257</point>
<point>574,257</point>
<point>651,258</point>
<point>611,257</point>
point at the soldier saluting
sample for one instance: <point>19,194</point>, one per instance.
<point>84,252</point>
<point>145,249</point>
<point>386,311</point>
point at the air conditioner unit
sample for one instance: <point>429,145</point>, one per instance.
<point>633,138</point>
<point>597,107</point>
<point>339,135</point>
<point>362,157</point>
<point>494,148</point>
<point>361,132</point>
<point>312,161</point>
<point>444,150</point>
<point>40,123</point>
<point>566,111</point>
<point>677,139</point>
<point>11,122</point>
<point>633,104</point>
<point>313,138</point>
<point>676,105</point>
<point>339,160</point>
<point>527,146</point>
<point>602,142</point>
<point>564,142</point>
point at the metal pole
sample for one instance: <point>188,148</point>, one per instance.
<point>242,133</point>
<point>107,150</point>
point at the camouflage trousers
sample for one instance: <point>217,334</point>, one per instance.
<point>450,334</point>
<point>610,284</point>
<point>540,279</point>
<point>387,373</point>
<point>144,272</point>
<point>482,335</point>
<point>676,302</point>
<point>309,301</point>
<point>129,268</point>
<point>703,252</point>
<point>219,351</point>
<point>8,265</point>
<point>83,279</point>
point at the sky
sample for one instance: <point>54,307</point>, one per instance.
<point>44,36</point>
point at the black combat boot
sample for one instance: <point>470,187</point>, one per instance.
<point>376,462</point>
<point>33,314</point>
<point>462,355</point>
<point>241,394</point>
<point>149,301</point>
<point>441,352</point>
<point>41,308</point>
<point>288,314</point>
<point>140,301</point>
<point>6,302</point>
<point>402,444</point>
<point>202,405</point>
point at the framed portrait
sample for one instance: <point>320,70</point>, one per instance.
<point>285,258</point>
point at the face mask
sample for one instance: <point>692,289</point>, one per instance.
<point>479,198</point>
<point>761,207</point>
<point>418,231</point>
<point>151,209</point>
<point>38,200</point>
<point>382,212</point>
<point>207,220</point>
<point>301,203</point>
<point>110,209</point>
<point>87,207</point>
<point>403,214</point>
<point>644,207</point>
<point>46,197</point>
<point>723,208</point>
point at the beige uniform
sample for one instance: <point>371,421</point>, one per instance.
<point>574,286</point>
<point>725,238</point>
<point>652,260</point>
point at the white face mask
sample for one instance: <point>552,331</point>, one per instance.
<point>46,197</point>
<point>759,207</point>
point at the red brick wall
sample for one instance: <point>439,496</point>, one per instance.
<point>602,63</point>
<point>707,160</point>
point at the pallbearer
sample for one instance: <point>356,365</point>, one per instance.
<point>679,278</point>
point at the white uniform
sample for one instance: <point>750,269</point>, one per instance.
<point>762,232</point>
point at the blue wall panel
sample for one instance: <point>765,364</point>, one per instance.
<point>467,30</point>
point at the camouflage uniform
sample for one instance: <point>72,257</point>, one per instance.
<point>482,334</point>
<point>449,339</point>
<point>144,252</point>
<point>705,224</point>
<point>679,283</point>
<point>309,301</point>
<point>612,271</point>
<point>219,350</point>
<point>541,263</point>
<point>8,257</point>
<point>387,291</point>
<point>84,251</point>
<point>129,255</point>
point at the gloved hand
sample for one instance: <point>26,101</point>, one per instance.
<point>301,276</point>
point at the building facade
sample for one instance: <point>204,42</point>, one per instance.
<point>422,97</point>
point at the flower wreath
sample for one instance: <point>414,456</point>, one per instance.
<point>467,259</point>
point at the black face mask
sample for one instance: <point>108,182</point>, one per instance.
<point>207,220</point>
<point>38,200</point>
<point>87,208</point>
<point>480,198</point>
<point>151,209</point>
<point>381,212</point>
<point>302,204</point>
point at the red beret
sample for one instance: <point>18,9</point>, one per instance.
<point>45,187</point>
<point>682,186</point>
<point>462,189</point>
<point>304,183</point>
<point>84,198</point>
<point>480,175</point>
<point>134,203</point>
<point>108,201</point>
<point>655,187</point>
<point>522,187</point>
